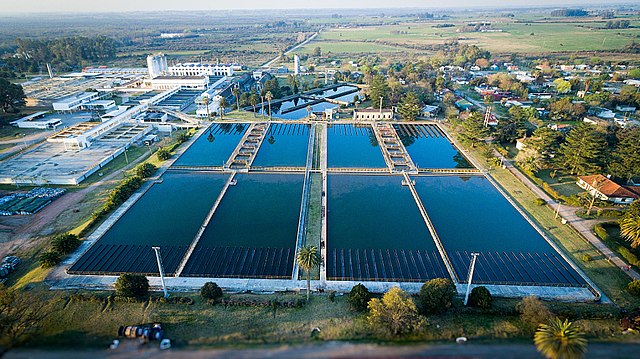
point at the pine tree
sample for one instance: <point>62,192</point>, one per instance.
<point>410,107</point>
<point>626,157</point>
<point>379,90</point>
<point>473,129</point>
<point>583,149</point>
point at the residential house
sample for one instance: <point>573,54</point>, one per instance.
<point>605,189</point>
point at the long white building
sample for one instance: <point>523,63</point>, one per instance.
<point>199,69</point>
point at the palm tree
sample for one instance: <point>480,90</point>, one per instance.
<point>560,340</point>
<point>253,99</point>
<point>206,101</point>
<point>222,105</point>
<point>269,97</point>
<point>236,91</point>
<point>630,230</point>
<point>308,258</point>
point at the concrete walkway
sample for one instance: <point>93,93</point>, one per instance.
<point>581,225</point>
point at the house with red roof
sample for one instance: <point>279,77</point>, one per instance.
<point>605,189</point>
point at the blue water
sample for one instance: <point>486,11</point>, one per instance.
<point>284,145</point>
<point>428,148</point>
<point>169,213</point>
<point>332,93</point>
<point>470,214</point>
<point>262,210</point>
<point>215,146</point>
<point>374,212</point>
<point>279,110</point>
<point>351,146</point>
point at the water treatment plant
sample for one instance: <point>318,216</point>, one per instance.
<point>386,203</point>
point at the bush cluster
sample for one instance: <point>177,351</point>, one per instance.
<point>118,196</point>
<point>211,291</point>
<point>61,245</point>
<point>359,297</point>
<point>132,286</point>
<point>480,297</point>
<point>634,287</point>
<point>436,296</point>
<point>533,312</point>
<point>163,154</point>
<point>145,170</point>
<point>256,302</point>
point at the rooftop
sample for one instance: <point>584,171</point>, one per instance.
<point>608,187</point>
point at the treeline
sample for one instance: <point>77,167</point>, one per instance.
<point>618,24</point>
<point>569,12</point>
<point>63,53</point>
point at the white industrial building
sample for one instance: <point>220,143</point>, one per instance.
<point>157,65</point>
<point>75,101</point>
<point>199,69</point>
<point>38,121</point>
<point>185,82</point>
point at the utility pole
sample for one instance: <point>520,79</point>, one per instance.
<point>474,256</point>
<point>126,158</point>
<point>557,210</point>
<point>161,270</point>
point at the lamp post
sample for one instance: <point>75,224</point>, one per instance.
<point>161,270</point>
<point>474,256</point>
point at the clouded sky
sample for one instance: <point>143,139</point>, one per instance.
<point>155,5</point>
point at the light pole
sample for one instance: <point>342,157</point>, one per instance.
<point>126,158</point>
<point>161,270</point>
<point>474,256</point>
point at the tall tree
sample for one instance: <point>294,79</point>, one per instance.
<point>269,96</point>
<point>308,258</point>
<point>560,340</point>
<point>222,105</point>
<point>546,143</point>
<point>410,107</point>
<point>11,95</point>
<point>379,91</point>
<point>254,99</point>
<point>583,149</point>
<point>473,129</point>
<point>626,157</point>
<point>236,92</point>
<point>630,224</point>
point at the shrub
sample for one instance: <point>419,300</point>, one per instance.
<point>540,202</point>
<point>436,296</point>
<point>601,232</point>
<point>533,311</point>
<point>163,154</point>
<point>395,314</point>
<point>211,291</point>
<point>132,286</point>
<point>359,297</point>
<point>122,192</point>
<point>145,170</point>
<point>586,258</point>
<point>480,297</point>
<point>182,137</point>
<point>65,243</point>
<point>49,259</point>
<point>634,287</point>
<point>332,296</point>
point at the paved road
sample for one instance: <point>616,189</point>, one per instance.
<point>333,350</point>
<point>581,225</point>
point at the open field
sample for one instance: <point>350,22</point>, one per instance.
<point>515,37</point>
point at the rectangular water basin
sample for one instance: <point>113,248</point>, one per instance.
<point>471,215</point>
<point>429,147</point>
<point>353,146</point>
<point>215,146</point>
<point>168,215</point>
<point>285,145</point>
<point>375,232</point>
<point>253,232</point>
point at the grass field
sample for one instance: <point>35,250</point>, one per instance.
<point>531,38</point>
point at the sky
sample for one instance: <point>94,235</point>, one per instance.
<point>27,6</point>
